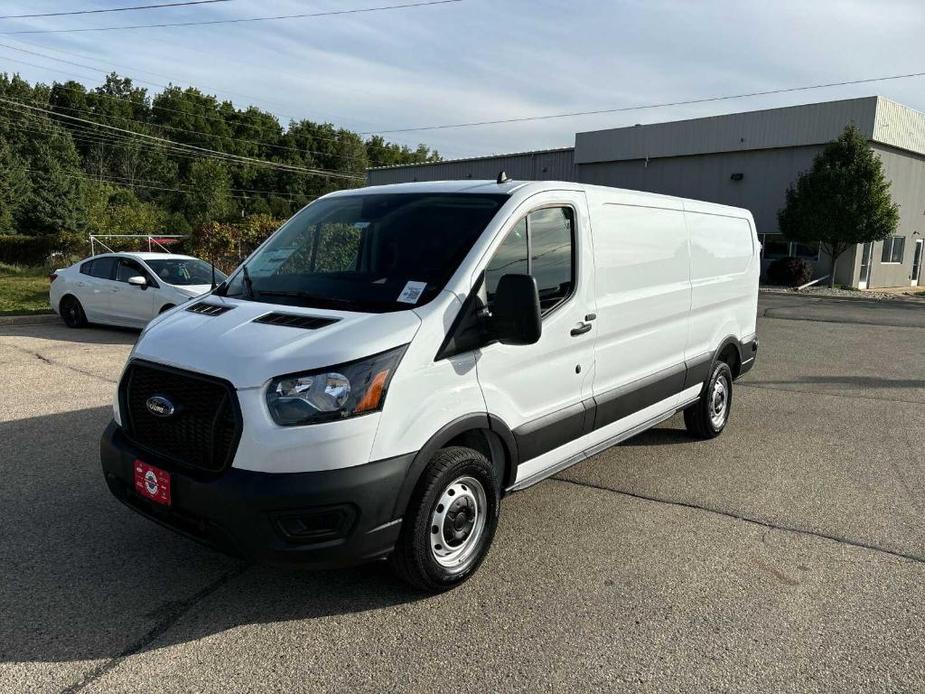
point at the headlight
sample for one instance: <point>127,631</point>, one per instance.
<point>338,392</point>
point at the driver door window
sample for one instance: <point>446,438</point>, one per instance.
<point>127,269</point>
<point>542,245</point>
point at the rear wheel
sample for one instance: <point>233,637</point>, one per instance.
<point>707,417</point>
<point>450,521</point>
<point>72,312</point>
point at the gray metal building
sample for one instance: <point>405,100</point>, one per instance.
<point>743,159</point>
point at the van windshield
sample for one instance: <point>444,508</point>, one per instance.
<point>376,252</point>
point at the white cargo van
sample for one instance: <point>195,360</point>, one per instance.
<point>394,360</point>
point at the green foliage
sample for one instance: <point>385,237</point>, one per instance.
<point>58,174</point>
<point>14,186</point>
<point>843,200</point>
<point>209,194</point>
<point>113,210</point>
<point>26,250</point>
<point>227,244</point>
<point>790,272</point>
<point>382,153</point>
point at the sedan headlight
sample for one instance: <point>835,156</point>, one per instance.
<point>338,392</point>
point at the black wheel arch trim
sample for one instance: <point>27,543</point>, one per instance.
<point>476,421</point>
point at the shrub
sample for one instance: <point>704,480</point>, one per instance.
<point>228,244</point>
<point>790,272</point>
<point>27,250</point>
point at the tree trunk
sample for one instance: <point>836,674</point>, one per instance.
<point>834,267</point>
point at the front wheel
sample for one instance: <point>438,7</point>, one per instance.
<point>450,521</point>
<point>707,417</point>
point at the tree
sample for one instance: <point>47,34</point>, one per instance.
<point>14,186</point>
<point>843,200</point>
<point>208,197</point>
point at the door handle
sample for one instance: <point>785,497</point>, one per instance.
<point>581,329</point>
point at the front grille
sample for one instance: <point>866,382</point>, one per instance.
<point>204,427</point>
<point>291,320</point>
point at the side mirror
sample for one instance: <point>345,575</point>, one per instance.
<point>516,316</point>
<point>138,281</point>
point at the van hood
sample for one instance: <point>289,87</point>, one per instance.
<point>232,346</point>
<point>192,289</point>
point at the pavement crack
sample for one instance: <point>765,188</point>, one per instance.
<point>832,395</point>
<point>747,519</point>
<point>170,616</point>
<point>52,362</point>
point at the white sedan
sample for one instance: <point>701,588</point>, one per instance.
<point>127,289</point>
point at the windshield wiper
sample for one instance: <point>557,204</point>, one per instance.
<point>308,296</point>
<point>248,284</point>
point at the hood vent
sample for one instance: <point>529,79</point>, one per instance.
<point>207,309</point>
<point>291,320</point>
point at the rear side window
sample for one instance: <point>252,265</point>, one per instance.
<point>87,268</point>
<point>541,245</point>
<point>719,245</point>
<point>104,268</point>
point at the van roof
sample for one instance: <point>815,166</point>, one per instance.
<point>509,187</point>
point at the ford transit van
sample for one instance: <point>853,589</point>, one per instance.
<point>394,360</point>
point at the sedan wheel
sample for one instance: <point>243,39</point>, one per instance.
<point>73,313</point>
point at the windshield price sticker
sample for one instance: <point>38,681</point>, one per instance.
<point>412,292</point>
<point>269,261</point>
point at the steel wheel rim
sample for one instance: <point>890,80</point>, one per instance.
<point>719,403</point>
<point>457,523</point>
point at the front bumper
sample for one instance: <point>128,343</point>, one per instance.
<point>323,519</point>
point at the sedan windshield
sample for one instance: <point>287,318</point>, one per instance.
<point>376,252</point>
<point>185,271</point>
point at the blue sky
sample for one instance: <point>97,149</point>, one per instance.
<point>489,59</point>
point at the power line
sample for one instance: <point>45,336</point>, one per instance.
<point>205,150</point>
<point>121,180</point>
<point>242,20</point>
<point>132,8</point>
<point>625,109</point>
<point>159,107</point>
<point>173,80</point>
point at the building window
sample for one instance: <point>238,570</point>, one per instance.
<point>893,249</point>
<point>803,250</point>
<point>774,246</point>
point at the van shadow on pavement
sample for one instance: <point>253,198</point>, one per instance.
<point>83,577</point>
<point>58,332</point>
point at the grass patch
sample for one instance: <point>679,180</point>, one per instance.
<point>23,290</point>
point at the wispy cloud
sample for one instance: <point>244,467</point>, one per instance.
<point>487,59</point>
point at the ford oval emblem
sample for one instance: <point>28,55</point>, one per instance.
<point>160,406</point>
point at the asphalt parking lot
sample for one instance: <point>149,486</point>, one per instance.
<point>787,555</point>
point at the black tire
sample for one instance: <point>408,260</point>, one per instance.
<point>72,312</point>
<point>166,307</point>
<point>700,417</point>
<point>415,557</point>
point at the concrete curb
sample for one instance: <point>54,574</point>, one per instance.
<point>29,319</point>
